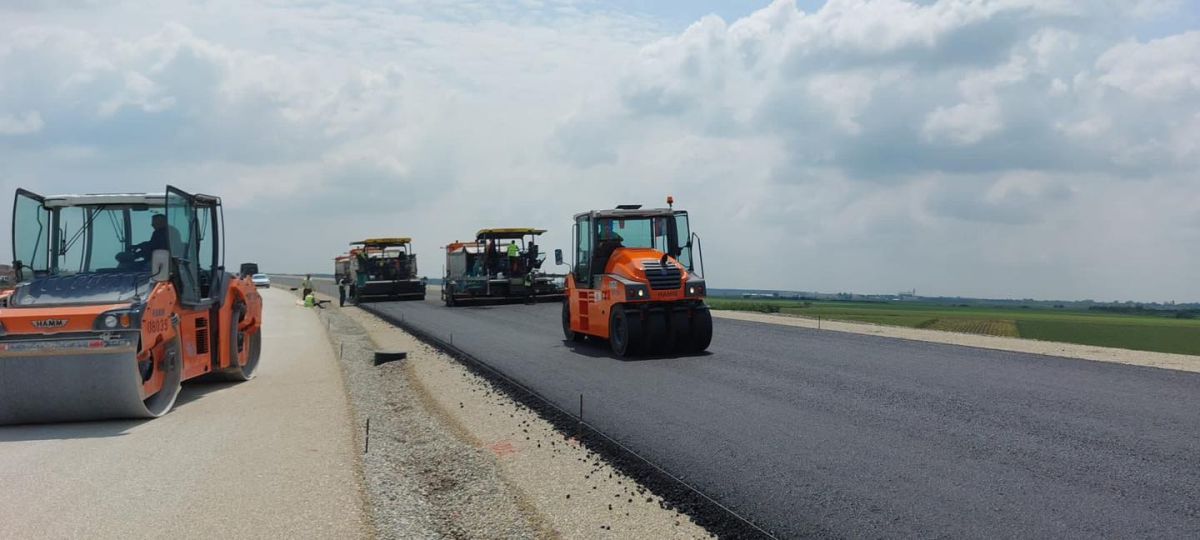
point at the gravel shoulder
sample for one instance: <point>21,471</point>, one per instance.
<point>1181,362</point>
<point>422,480</point>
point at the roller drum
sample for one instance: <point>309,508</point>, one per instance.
<point>80,387</point>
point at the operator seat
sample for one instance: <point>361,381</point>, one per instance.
<point>604,250</point>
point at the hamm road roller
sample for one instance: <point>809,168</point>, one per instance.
<point>121,298</point>
<point>635,282</point>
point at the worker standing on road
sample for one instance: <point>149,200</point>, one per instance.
<point>306,286</point>
<point>514,253</point>
<point>490,258</point>
<point>342,284</point>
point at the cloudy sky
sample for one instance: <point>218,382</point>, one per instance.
<point>999,148</point>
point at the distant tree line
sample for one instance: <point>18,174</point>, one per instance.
<point>1139,309</point>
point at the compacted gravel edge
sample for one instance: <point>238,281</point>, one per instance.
<point>676,495</point>
<point>420,480</point>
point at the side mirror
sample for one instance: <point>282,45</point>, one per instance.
<point>160,265</point>
<point>558,257</point>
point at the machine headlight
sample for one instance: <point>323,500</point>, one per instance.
<point>636,292</point>
<point>695,287</point>
<point>122,319</point>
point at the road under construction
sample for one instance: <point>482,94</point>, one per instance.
<point>792,431</point>
<point>809,432</point>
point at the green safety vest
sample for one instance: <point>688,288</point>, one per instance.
<point>513,250</point>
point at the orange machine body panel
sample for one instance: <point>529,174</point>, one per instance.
<point>53,319</point>
<point>591,308</point>
<point>157,314</point>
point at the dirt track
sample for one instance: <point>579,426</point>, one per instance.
<point>1181,362</point>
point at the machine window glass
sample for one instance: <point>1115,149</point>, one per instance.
<point>100,239</point>
<point>206,251</point>
<point>204,230</point>
<point>97,258</point>
<point>70,220</point>
<point>180,218</point>
<point>583,250</point>
<point>220,231</point>
<point>683,239</point>
<point>31,234</point>
<point>107,240</point>
<point>644,232</point>
<point>141,226</point>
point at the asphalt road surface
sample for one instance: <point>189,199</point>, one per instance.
<point>269,458</point>
<point>824,433</point>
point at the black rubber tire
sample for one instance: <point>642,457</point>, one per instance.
<point>449,294</point>
<point>679,328</point>
<point>568,333</point>
<point>625,334</point>
<point>658,340</point>
<point>701,334</point>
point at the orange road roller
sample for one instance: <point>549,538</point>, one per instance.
<point>120,298</point>
<point>637,281</point>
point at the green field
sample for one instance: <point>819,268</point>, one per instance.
<point>1138,332</point>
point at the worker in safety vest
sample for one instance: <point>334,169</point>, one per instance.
<point>343,283</point>
<point>306,286</point>
<point>514,253</point>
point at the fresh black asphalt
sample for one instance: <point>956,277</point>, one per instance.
<point>819,433</point>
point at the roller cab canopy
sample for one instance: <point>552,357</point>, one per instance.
<point>629,212</point>
<point>507,233</point>
<point>383,242</point>
<point>148,200</point>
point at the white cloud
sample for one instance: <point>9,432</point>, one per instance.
<point>964,124</point>
<point>138,91</point>
<point>866,145</point>
<point>24,124</point>
<point>1160,70</point>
